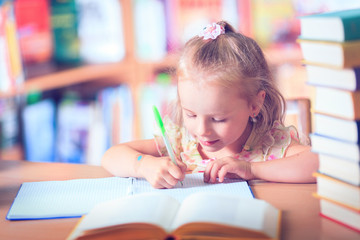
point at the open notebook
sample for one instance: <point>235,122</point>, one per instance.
<point>74,198</point>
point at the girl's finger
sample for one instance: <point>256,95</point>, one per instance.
<point>215,170</point>
<point>170,179</point>
<point>222,173</point>
<point>162,183</point>
<point>207,171</point>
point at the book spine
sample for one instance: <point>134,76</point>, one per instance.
<point>356,103</point>
<point>351,54</point>
<point>34,30</point>
<point>357,78</point>
<point>65,32</point>
<point>351,28</point>
<point>16,68</point>
<point>5,77</point>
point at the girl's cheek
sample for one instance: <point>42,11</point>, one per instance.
<point>189,126</point>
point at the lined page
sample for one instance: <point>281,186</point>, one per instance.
<point>194,183</point>
<point>73,198</point>
<point>70,198</point>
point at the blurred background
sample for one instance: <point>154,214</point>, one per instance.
<point>78,76</point>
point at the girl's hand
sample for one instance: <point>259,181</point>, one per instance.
<point>227,167</point>
<point>161,172</point>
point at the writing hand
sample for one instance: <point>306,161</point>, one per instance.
<point>161,172</point>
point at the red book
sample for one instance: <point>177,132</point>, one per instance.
<point>34,29</point>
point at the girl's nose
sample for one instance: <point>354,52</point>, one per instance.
<point>203,128</point>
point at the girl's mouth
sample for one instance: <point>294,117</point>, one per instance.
<point>208,143</point>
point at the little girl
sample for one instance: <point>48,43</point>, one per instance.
<point>227,121</point>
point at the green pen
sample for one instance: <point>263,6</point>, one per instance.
<point>165,136</point>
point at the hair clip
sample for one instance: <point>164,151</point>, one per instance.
<point>212,31</point>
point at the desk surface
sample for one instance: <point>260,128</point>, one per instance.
<point>300,210</point>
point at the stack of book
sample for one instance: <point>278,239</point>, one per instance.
<point>330,43</point>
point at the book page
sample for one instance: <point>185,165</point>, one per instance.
<point>229,209</point>
<point>141,208</point>
<point>194,183</point>
<point>70,198</point>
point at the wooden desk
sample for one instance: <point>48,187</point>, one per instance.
<point>300,220</point>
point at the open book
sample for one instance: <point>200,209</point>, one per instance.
<point>206,215</point>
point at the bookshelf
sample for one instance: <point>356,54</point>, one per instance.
<point>131,71</point>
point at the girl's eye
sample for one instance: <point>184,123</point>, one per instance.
<point>219,120</point>
<point>190,115</point>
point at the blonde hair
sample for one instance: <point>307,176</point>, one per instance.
<point>235,61</point>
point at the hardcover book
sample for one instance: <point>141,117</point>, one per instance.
<point>340,214</point>
<point>335,147</point>
<point>329,188</point>
<point>201,215</point>
<point>346,79</point>
<point>338,128</point>
<point>340,168</point>
<point>337,103</point>
<point>331,54</point>
<point>336,26</point>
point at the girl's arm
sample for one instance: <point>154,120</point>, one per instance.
<point>122,160</point>
<point>296,167</point>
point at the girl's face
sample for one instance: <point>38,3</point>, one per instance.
<point>216,116</point>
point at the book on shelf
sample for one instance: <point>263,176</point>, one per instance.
<point>5,83</point>
<point>150,29</point>
<point>96,142</point>
<point>101,31</point>
<point>11,68</point>
<point>9,127</point>
<point>335,147</point>
<point>39,131</point>
<point>346,79</point>
<point>342,193</point>
<point>346,216</point>
<point>117,113</point>
<point>73,122</point>
<point>156,93</point>
<point>34,30</point>
<point>331,54</point>
<point>337,103</point>
<point>274,23</point>
<point>340,168</point>
<point>64,25</point>
<point>342,129</point>
<point>201,215</point>
<point>338,26</point>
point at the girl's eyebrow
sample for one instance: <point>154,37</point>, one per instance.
<point>187,110</point>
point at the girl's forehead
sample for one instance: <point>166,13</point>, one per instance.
<point>208,98</point>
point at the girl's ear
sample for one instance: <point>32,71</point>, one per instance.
<point>258,102</point>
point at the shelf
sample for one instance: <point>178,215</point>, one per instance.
<point>74,76</point>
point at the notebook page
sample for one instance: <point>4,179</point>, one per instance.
<point>70,198</point>
<point>194,183</point>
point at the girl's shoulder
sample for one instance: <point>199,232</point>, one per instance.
<point>281,135</point>
<point>274,142</point>
<point>278,139</point>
